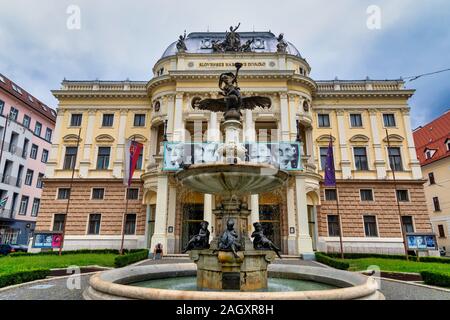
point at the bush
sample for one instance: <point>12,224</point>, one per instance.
<point>434,259</point>
<point>368,255</point>
<point>320,257</point>
<point>132,257</point>
<point>80,251</point>
<point>8,279</point>
<point>436,278</point>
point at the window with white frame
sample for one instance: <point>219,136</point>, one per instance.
<point>366,194</point>
<point>333,225</point>
<point>356,120</point>
<point>130,223</point>
<point>370,226</point>
<point>35,208</point>
<point>44,157</point>
<point>408,224</point>
<point>94,223</point>
<point>389,120</point>
<point>323,120</point>
<point>37,128</point>
<point>360,154</point>
<point>395,159</point>
<point>34,151</point>
<point>23,205</point>
<point>13,114</point>
<point>26,121</point>
<point>48,134</point>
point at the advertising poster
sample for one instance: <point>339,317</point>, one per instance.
<point>47,240</point>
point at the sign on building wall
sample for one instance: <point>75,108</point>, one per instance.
<point>46,240</point>
<point>417,241</point>
<point>283,155</point>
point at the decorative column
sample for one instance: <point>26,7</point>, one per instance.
<point>292,229</point>
<point>171,213</point>
<point>170,102</point>
<point>207,213</point>
<point>345,162</point>
<point>160,234</point>
<point>178,129</point>
<point>120,149</point>
<point>413,162</point>
<point>304,240</point>
<point>85,149</point>
<point>380,164</point>
<point>284,117</point>
<point>53,157</point>
<point>292,118</point>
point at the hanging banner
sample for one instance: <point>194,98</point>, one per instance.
<point>282,155</point>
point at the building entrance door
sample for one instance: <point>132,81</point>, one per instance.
<point>269,217</point>
<point>192,216</point>
<point>151,223</point>
<point>312,226</point>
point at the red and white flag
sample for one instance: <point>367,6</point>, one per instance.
<point>132,151</point>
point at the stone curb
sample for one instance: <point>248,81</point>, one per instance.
<point>415,284</point>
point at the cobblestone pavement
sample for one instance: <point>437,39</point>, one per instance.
<point>57,288</point>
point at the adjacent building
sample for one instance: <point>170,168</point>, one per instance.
<point>433,151</point>
<point>358,115</point>
<point>26,129</point>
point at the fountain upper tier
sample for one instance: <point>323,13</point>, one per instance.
<point>232,179</point>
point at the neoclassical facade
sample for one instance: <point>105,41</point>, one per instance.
<point>300,217</point>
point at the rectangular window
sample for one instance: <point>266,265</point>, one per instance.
<point>59,220</point>
<point>70,158</point>
<point>34,151</point>
<point>133,193</point>
<point>98,193</point>
<point>324,120</point>
<point>356,120</point>
<point>37,128</point>
<point>40,183</point>
<point>35,209</point>
<point>431,178</point>
<point>75,119</point>
<point>370,226</point>
<point>139,162</point>
<point>48,134</point>
<point>333,225</point>
<point>2,105</point>
<point>23,205</point>
<point>63,193</point>
<point>26,142</point>
<point>408,225</point>
<point>395,159</point>
<point>437,206</point>
<point>103,158</point>
<point>130,223</point>
<point>139,120</point>
<point>402,195</point>
<point>366,194</point>
<point>330,195</point>
<point>29,177</point>
<point>13,114</point>
<point>26,121</point>
<point>94,223</point>
<point>360,159</point>
<point>108,120</point>
<point>389,120</point>
<point>323,157</point>
<point>44,157</point>
<point>441,231</point>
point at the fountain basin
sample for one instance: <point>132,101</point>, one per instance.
<point>115,284</point>
<point>232,179</point>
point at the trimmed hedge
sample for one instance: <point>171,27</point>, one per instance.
<point>80,251</point>
<point>387,256</point>
<point>9,279</point>
<point>434,259</point>
<point>436,278</point>
<point>320,257</point>
<point>137,255</point>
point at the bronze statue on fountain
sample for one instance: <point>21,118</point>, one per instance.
<point>232,101</point>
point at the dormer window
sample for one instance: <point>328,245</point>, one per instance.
<point>2,79</point>
<point>30,98</point>
<point>16,88</point>
<point>429,153</point>
<point>447,143</point>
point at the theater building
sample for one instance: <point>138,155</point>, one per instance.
<point>300,217</point>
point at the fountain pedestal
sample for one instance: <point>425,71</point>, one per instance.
<point>222,271</point>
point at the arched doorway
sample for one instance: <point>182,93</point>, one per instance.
<point>312,200</point>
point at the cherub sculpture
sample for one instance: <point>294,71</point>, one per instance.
<point>232,102</point>
<point>261,242</point>
<point>201,240</point>
<point>229,240</point>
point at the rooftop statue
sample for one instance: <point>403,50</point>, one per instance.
<point>181,45</point>
<point>232,42</point>
<point>232,101</point>
<point>282,44</point>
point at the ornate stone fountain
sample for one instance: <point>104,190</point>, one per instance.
<point>231,260</point>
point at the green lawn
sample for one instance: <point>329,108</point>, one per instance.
<point>396,265</point>
<point>9,264</point>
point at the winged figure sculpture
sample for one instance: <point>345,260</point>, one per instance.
<point>232,101</point>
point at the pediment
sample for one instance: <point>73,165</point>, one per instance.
<point>138,138</point>
<point>325,138</point>
<point>104,138</point>
<point>394,138</point>
<point>359,138</point>
<point>71,138</point>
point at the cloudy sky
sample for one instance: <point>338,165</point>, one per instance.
<point>123,39</point>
